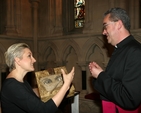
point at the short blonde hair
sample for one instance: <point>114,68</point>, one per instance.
<point>15,50</point>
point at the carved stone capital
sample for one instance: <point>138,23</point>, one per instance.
<point>83,65</point>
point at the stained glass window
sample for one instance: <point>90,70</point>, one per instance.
<point>79,13</point>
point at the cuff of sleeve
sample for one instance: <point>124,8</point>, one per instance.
<point>99,81</point>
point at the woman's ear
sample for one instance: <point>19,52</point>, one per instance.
<point>17,60</point>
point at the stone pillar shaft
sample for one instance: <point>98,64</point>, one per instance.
<point>10,25</point>
<point>35,5</point>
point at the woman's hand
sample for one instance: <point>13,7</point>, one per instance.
<point>67,81</point>
<point>68,77</point>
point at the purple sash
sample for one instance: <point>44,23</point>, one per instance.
<point>110,107</point>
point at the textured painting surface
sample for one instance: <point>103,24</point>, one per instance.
<point>50,81</point>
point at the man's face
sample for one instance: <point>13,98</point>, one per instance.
<point>109,29</point>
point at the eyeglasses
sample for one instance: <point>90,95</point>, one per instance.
<point>106,24</point>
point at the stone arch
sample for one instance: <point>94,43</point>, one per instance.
<point>67,44</point>
<point>70,57</point>
<point>49,55</point>
<point>95,50</point>
<point>44,46</point>
<point>68,51</point>
<point>92,43</point>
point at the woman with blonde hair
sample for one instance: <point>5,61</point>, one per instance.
<point>17,95</point>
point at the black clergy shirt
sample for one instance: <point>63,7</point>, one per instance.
<point>121,81</point>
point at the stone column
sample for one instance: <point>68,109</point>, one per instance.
<point>111,3</point>
<point>10,25</point>
<point>51,16</point>
<point>134,13</point>
<point>35,5</point>
<point>88,25</point>
<point>18,16</point>
<point>123,4</point>
<point>58,17</point>
<point>131,13</point>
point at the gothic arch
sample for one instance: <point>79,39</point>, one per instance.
<point>46,49</point>
<point>50,58</point>
<point>67,52</point>
<point>48,55</point>
<point>94,41</point>
<point>70,57</point>
<point>93,46</point>
<point>67,45</point>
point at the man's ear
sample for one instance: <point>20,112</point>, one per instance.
<point>120,24</point>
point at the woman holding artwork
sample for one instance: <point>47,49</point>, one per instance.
<point>17,95</point>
